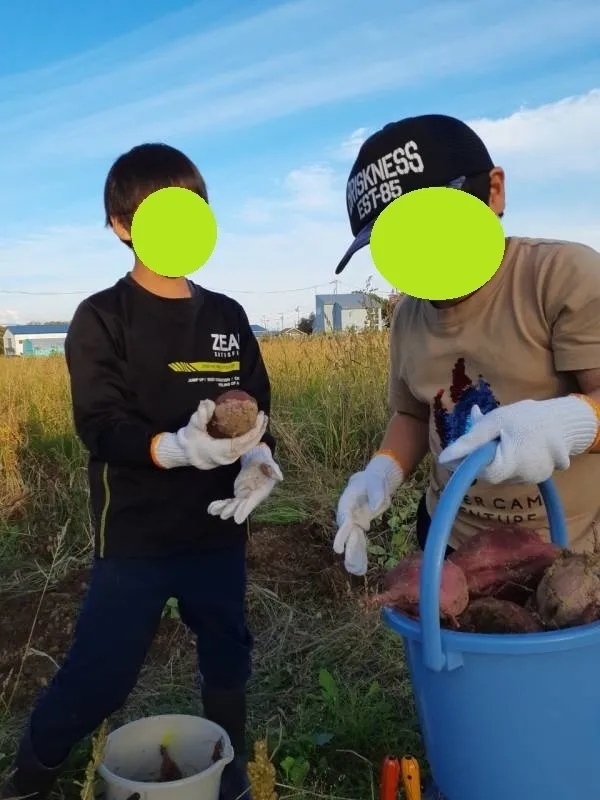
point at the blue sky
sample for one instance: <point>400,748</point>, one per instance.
<point>272,101</point>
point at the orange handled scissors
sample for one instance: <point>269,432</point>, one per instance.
<point>411,778</point>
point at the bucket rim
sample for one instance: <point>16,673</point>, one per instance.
<point>128,783</point>
<point>497,643</point>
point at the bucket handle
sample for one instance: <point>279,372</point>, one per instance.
<point>439,534</point>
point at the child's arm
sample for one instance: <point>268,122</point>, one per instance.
<point>99,393</point>
<point>254,378</point>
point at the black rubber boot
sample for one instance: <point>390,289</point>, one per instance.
<point>29,779</point>
<point>227,708</point>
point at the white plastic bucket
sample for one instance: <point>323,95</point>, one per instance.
<point>132,759</point>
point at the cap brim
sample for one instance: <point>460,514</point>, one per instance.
<point>364,236</point>
<point>362,240</point>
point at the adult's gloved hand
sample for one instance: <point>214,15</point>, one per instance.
<point>367,496</point>
<point>193,446</point>
<point>258,477</point>
<point>536,437</point>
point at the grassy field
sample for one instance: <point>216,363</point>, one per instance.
<point>329,692</point>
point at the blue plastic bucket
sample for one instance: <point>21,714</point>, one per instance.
<point>504,717</point>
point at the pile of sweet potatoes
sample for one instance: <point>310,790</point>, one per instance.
<point>505,579</point>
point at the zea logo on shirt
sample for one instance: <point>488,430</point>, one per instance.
<point>377,184</point>
<point>225,345</point>
<point>223,366</point>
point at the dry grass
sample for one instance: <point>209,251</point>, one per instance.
<point>329,411</point>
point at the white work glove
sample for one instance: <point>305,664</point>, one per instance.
<point>193,446</point>
<point>536,437</point>
<point>367,496</point>
<point>258,477</point>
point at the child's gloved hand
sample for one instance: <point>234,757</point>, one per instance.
<point>258,477</point>
<point>536,437</point>
<point>193,446</point>
<point>366,497</point>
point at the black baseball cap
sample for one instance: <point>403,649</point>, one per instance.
<point>414,153</point>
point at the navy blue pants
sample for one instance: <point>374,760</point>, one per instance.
<point>118,621</point>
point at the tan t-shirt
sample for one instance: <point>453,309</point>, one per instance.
<point>521,336</point>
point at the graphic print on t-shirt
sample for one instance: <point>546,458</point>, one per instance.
<point>224,367</point>
<point>493,506</point>
<point>465,394</point>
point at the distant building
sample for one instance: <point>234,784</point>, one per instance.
<point>342,312</point>
<point>295,333</point>
<point>34,340</point>
<point>258,330</point>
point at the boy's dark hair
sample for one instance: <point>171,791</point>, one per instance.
<point>143,170</point>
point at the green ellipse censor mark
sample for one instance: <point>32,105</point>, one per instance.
<point>174,232</point>
<point>437,243</point>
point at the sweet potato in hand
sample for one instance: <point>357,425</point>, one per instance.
<point>235,414</point>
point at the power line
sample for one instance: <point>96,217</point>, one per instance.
<point>45,294</point>
<point>272,291</point>
<point>226,291</point>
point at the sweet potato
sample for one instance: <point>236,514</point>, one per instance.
<point>235,414</point>
<point>490,615</point>
<point>169,771</point>
<point>401,588</point>
<point>569,593</point>
<point>500,555</point>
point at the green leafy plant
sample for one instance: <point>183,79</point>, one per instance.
<point>329,688</point>
<point>296,770</point>
<point>171,609</point>
<point>398,540</point>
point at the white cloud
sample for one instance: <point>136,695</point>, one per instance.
<point>258,268</point>
<point>296,240</point>
<point>65,258</point>
<point>9,316</point>
<point>555,140</point>
<point>551,140</point>
<point>258,69</point>
<point>348,149</point>
<point>255,212</point>
<point>312,189</point>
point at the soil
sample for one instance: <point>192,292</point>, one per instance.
<point>48,640</point>
<point>296,560</point>
<point>288,560</point>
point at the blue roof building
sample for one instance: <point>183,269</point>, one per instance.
<point>34,340</point>
<point>36,329</point>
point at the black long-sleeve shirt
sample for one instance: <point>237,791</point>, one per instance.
<point>139,365</point>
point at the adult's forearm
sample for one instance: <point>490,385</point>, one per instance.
<point>407,438</point>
